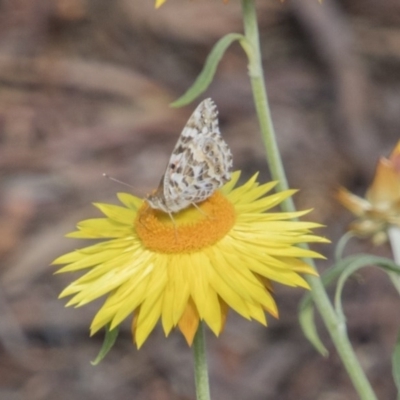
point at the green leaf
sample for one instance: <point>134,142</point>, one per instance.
<point>341,270</point>
<point>358,262</point>
<point>306,310</point>
<point>109,340</point>
<point>396,365</point>
<point>207,74</point>
<point>307,323</point>
<point>341,244</point>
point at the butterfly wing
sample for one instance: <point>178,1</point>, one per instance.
<point>200,163</point>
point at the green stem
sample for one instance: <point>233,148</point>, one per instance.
<point>336,327</point>
<point>394,238</point>
<point>200,365</point>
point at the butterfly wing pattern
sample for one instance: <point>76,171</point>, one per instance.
<point>200,163</point>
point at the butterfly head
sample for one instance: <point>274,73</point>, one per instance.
<point>156,201</point>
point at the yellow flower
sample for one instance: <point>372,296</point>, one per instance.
<point>159,3</point>
<point>381,206</point>
<point>193,268</point>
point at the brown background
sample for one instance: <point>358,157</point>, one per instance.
<point>84,89</point>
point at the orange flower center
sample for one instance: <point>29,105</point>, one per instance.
<point>190,230</point>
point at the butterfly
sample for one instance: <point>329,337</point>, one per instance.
<point>200,163</point>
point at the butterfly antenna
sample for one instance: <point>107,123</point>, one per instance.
<point>118,181</point>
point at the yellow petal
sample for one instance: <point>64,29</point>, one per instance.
<point>395,156</point>
<point>159,3</point>
<point>385,188</point>
<point>357,205</point>
<point>189,322</point>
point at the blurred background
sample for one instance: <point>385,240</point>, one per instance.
<point>85,87</point>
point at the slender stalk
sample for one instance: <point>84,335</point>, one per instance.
<point>336,328</point>
<point>394,238</point>
<point>200,365</point>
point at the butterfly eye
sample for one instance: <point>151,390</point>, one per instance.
<point>172,166</point>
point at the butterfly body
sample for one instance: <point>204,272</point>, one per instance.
<point>200,163</point>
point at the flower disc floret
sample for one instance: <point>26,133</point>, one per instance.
<point>190,230</point>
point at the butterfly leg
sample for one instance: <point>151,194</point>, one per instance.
<point>175,227</point>
<point>200,210</point>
